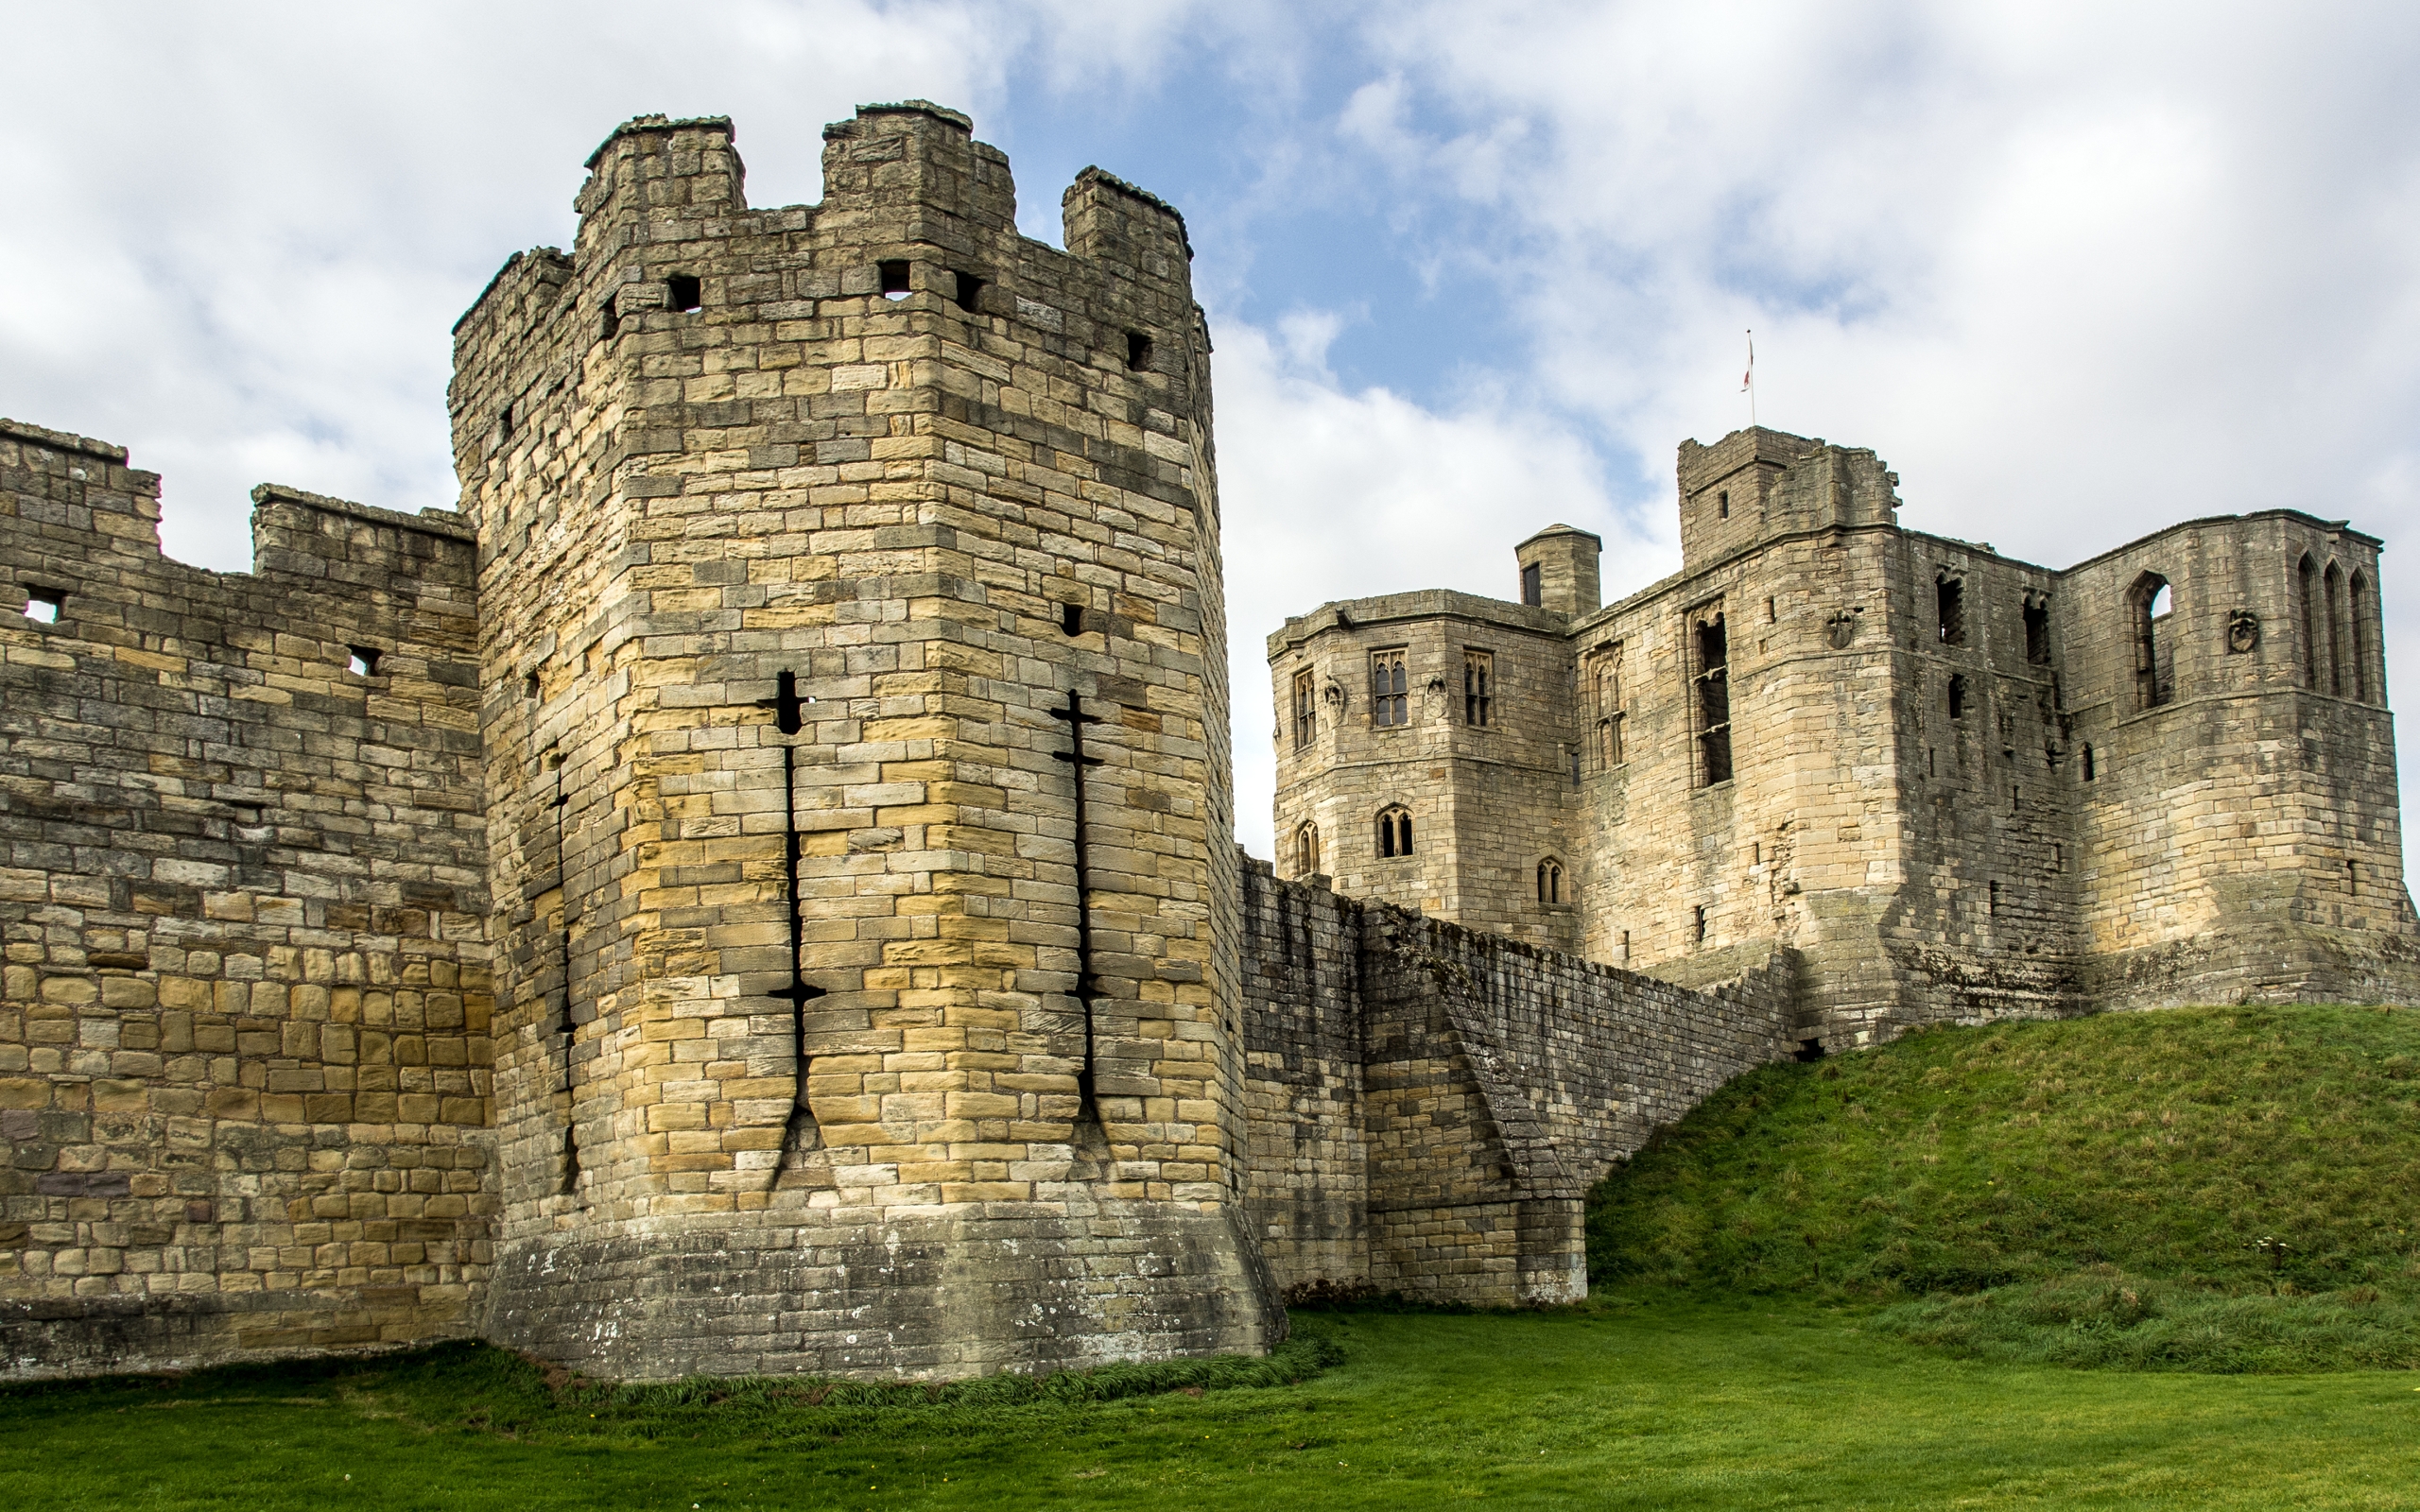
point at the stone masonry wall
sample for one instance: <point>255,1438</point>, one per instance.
<point>938,480</point>
<point>1948,793</point>
<point>1431,1103</point>
<point>244,1016</point>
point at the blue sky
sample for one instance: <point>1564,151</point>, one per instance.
<point>2075,271</point>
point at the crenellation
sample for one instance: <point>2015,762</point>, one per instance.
<point>751,891</point>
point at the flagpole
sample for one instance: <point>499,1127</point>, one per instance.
<point>1749,383</point>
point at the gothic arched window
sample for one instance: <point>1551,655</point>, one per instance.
<point>1394,831</point>
<point>1549,881</point>
<point>2356,643</point>
<point>1306,850</point>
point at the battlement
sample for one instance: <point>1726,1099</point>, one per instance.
<point>1757,483</point>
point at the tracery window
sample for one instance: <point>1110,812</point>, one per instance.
<point>1394,832</point>
<point>1306,849</point>
<point>1549,881</point>
<point>1605,704</point>
<point>1479,688</point>
<point>1390,691</point>
<point>1306,710</point>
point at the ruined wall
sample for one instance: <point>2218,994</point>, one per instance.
<point>244,1018</point>
<point>808,521</point>
<point>1946,792</point>
<point>1431,1103</point>
<point>2240,839</point>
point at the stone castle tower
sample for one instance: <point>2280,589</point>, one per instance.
<point>1954,784</point>
<point>819,969</point>
<point>754,890</point>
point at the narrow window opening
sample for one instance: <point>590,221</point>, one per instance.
<point>2058,856</point>
<point>42,605</point>
<point>1701,924</point>
<point>1479,688</point>
<point>682,291</point>
<point>895,278</point>
<point>1395,833</point>
<point>1307,710</point>
<point>1549,881</point>
<point>2154,657</point>
<point>2357,617</point>
<point>970,293</point>
<point>530,687</point>
<point>1071,619</point>
<point>1992,903</point>
<point>1950,598</point>
<point>503,424</point>
<point>1957,698</point>
<point>609,320</point>
<point>2037,632</point>
<point>361,661</point>
<point>2016,797</point>
<point>1138,351</point>
<point>1930,769</point>
<point>1390,691</point>
<point>2352,878</point>
<point>2089,775</point>
<point>1712,701</point>
<point>1625,945</point>
<point>1722,505</point>
<point>1533,586</point>
<point>2334,582</point>
<point>1573,751</point>
<point>2306,585</point>
<point>1773,612</point>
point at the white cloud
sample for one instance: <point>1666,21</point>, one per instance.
<point>1333,494</point>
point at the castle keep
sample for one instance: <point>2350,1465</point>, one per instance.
<point>753,890</point>
<point>1951,784</point>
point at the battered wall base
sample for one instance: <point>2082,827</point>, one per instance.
<point>2286,963</point>
<point>944,1294</point>
<point>56,1337</point>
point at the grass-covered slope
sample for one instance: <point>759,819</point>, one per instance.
<point>2093,1191</point>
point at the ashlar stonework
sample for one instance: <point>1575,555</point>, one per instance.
<point>1951,785</point>
<point>753,889</point>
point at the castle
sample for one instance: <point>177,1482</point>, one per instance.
<point>1950,783</point>
<point>753,889</point>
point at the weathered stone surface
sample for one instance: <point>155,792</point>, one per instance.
<point>1430,1104</point>
<point>2213,820</point>
<point>244,1022</point>
<point>648,917</point>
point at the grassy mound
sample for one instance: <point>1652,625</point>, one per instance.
<point>2217,1189</point>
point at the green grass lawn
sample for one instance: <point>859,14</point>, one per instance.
<point>1667,1403</point>
<point>1863,1282</point>
<point>2092,1192</point>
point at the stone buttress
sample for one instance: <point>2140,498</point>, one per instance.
<point>837,1032</point>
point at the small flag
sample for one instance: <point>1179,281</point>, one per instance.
<point>1747,379</point>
